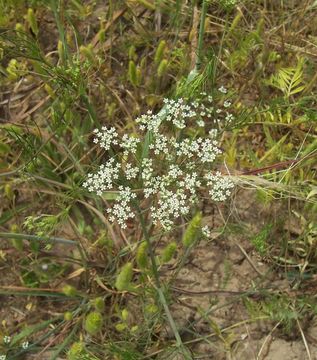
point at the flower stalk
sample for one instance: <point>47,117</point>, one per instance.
<point>158,285</point>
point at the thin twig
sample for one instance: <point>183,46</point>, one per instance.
<point>266,340</point>
<point>159,290</point>
<point>304,340</point>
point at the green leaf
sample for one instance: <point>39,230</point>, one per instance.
<point>4,148</point>
<point>312,193</point>
<point>289,80</point>
<point>25,333</point>
<point>297,90</point>
<point>110,195</point>
<point>145,150</point>
<point>274,149</point>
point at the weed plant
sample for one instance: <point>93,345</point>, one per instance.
<point>123,125</point>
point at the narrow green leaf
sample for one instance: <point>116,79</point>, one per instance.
<point>25,333</point>
<point>297,90</point>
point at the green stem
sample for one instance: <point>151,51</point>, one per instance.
<point>37,238</point>
<point>67,340</point>
<point>181,263</point>
<point>54,6</point>
<point>201,34</point>
<point>162,298</point>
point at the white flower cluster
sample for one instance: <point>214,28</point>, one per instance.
<point>7,339</point>
<point>168,169</point>
<point>129,144</point>
<point>178,112</point>
<point>205,149</point>
<point>171,205</point>
<point>131,172</point>
<point>223,90</point>
<point>206,231</point>
<point>106,137</point>
<point>121,210</point>
<point>149,121</point>
<point>104,179</point>
<point>220,186</point>
<point>160,144</point>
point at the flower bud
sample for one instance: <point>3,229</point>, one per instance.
<point>141,255</point>
<point>69,290</point>
<point>75,351</point>
<point>124,278</point>
<point>159,52</point>
<point>121,327</point>
<point>13,69</point>
<point>99,304</point>
<point>87,52</point>
<point>60,50</point>
<point>168,252</point>
<point>8,191</point>
<point>132,53</point>
<point>19,27</point>
<point>68,316</point>
<point>132,73</point>
<point>93,323</point>
<point>50,91</point>
<point>102,35</point>
<point>124,314</point>
<point>31,19</point>
<point>162,69</point>
<point>192,230</point>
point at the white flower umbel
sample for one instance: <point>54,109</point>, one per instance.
<point>122,211</point>
<point>200,123</point>
<point>208,150</point>
<point>223,90</point>
<point>220,186</point>
<point>206,231</point>
<point>149,121</point>
<point>178,112</point>
<point>104,179</point>
<point>213,133</point>
<point>131,172</point>
<point>171,205</point>
<point>25,345</point>
<point>168,165</point>
<point>229,118</point>
<point>106,137</point>
<point>129,144</point>
<point>174,171</point>
<point>7,339</point>
<point>160,144</point>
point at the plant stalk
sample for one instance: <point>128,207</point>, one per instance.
<point>201,34</point>
<point>37,238</point>
<point>162,298</point>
